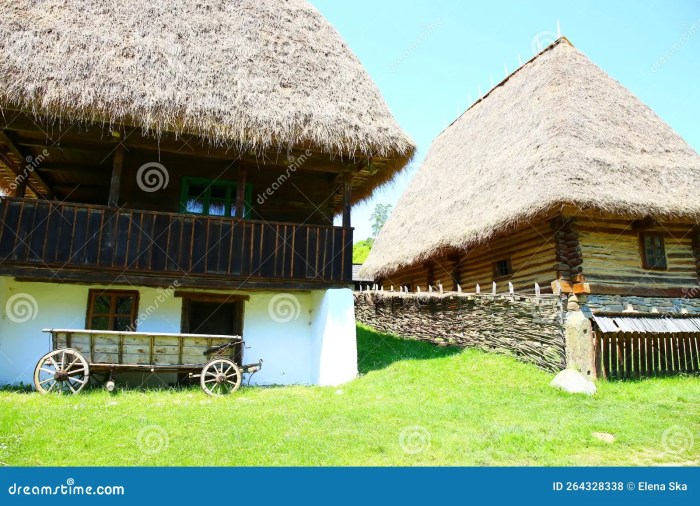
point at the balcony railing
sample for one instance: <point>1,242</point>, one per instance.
<point>69,237</point>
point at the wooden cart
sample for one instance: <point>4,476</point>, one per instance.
<point>214,359</point>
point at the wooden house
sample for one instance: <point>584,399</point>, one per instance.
<point>176,166</point>
<point>557,176</point>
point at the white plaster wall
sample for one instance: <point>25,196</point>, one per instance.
<point>302,337</point>
<point>277,329</point>
<point>335,342</point>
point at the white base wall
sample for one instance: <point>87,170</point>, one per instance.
<point>302,337</point>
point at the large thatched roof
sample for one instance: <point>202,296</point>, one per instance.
<point>251,74</point>
<point>558,131</point>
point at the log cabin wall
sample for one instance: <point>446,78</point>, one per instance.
<point>530,251</point>
<point>612,257</point>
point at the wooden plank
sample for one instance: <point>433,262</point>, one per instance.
<point>115,183</point>
<point>347,199</point>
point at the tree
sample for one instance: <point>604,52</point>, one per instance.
<point>379,217</point>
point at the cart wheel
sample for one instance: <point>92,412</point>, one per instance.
<point>63,371</point>
<point>220,377</point>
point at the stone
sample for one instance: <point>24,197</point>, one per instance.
<point>573,382</point>
<point>572,304</point>
<point>604,436</point>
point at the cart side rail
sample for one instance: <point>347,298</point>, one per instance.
<point>142,348</point>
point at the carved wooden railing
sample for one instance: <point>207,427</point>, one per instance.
<point>69,236</point>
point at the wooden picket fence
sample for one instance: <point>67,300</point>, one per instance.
<point>631,356</point>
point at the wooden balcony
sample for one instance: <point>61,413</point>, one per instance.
<point>50,240</point>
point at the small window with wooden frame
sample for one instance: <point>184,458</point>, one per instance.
<point>112,310</point>
<point>653,251</point>
<point>502,268</point>
<point>210,197</point>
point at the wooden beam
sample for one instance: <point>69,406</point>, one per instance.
<point>22,174</point>
<point>220,298</point>
<point>95,136</point>
<point>115,184</point>
<point>97,276</point>
<point>347,199</point>
<point>72,168</point>
<point>21,187</point>
<point>240,193</point>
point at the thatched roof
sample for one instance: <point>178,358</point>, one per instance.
<point>559,131</point>
<point>246,73</point>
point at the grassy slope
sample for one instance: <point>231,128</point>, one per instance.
<point>360,250</point>
<point>479,409</point>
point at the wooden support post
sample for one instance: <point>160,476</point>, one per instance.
<point>117,166</point>
<point>240,193</point>
<point>696,250</point>
<point>347,198</point>
<point>21,187</point>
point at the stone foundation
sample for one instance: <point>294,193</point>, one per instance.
<point>617,303</point>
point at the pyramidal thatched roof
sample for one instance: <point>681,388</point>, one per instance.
<point>558,131</point>
<point>247,73</point>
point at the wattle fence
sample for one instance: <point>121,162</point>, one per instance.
<point>528,327</point>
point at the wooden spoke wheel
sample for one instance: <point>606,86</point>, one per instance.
<point>63,371</point>
<point>220,377</point>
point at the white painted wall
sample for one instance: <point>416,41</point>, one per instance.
<point>302,337</point>
<point>334,339</point>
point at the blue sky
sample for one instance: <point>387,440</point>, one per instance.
<point>429,58</point>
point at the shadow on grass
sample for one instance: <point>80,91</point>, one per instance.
<point>376,350</point>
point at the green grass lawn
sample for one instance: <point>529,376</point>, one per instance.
<point>415,404</point>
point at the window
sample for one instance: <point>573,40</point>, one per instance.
<point>502,269</point>
<point>653,251</point>
<point>112,310</point>
<point>212,198</point>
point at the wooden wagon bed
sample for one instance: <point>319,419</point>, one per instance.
<point>216,359</point>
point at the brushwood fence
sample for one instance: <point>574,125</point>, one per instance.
<point>528,327</point>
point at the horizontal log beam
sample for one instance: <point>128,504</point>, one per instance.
<point>33,180</point>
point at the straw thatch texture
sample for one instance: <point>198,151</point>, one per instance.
<point>251,74</point>
<point>559,131</point>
